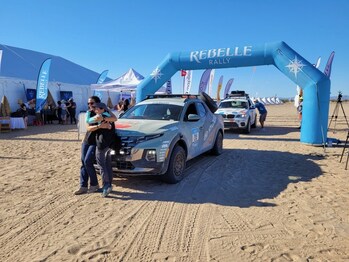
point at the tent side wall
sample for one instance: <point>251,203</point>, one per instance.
<point>13,89</point>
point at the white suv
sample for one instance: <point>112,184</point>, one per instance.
<point>238,112</point>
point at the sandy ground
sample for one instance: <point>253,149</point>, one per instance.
<point>266,198</point>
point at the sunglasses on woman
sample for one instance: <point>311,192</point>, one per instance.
<point>90,103</point>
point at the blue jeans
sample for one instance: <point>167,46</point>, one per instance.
<point>87,169</point>
<point>104,161</point>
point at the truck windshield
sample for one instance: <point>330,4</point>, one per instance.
<point>234,104</point>
<point>154,112</point>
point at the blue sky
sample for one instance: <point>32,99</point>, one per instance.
<point>117,35</point>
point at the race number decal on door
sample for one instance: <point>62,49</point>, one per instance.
<point>195,136</point>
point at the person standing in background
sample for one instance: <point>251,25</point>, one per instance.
<point>64,112</point>
<point>299,110</point>
<point>24,113</point>
<point>72,110</point>
<point>119,107</point>
<point>262,112</point>
<point>59,112</point>
<point>126,104</point>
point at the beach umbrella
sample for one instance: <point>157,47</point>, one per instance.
<point>50,100</point>
<point>5,107</point>
<point>110,103</point>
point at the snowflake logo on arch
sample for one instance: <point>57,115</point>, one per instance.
<point>156,74</point>
<point>295,66</point>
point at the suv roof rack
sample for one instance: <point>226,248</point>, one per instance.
<point>238,93</point>
<point>187,96</point>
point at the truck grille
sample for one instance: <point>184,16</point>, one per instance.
<point>122,165</point>
<point>228,116</point>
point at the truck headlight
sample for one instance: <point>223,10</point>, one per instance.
<point>150,155</point>
<point>240,116</point>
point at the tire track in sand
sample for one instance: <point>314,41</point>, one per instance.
<point>161,229</point>
<point>113,240</point>
<point>31,228</point>
<point>187,238</point>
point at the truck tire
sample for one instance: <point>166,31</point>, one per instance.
<point>255,122</point>
<point>218,145</point>
<point>175,171</point>
<point>247,130</point>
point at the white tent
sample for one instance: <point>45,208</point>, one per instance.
<point>126,83</point>
<point>270,101</point>
<point>278,101</point>
<point>264,101</point>
<point>19,72</point>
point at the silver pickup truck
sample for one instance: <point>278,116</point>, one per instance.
<point>160,134</point>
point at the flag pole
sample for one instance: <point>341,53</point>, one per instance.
<point>183,74</point>
<point>183,84</point>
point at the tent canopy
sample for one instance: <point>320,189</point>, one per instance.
<point>25,64</point>
<point>126,83</point>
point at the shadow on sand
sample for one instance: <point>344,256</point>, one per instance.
<point>265,134</point>
<point>267,131</point>
<point>27,134</point>
<point>238,177</point>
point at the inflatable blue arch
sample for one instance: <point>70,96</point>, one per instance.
<point>316,85</point>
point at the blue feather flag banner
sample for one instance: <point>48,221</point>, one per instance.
<point>328,67</point>
<point>204,80</point>
<point>102,77</point>
<point>41,88</point>
<point>227,87</point>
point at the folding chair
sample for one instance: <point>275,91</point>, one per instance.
<point>5,125</point>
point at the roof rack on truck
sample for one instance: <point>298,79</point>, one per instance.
<point>238,93</point>
<point>172,96</point>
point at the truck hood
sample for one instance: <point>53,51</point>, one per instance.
<point>129,127</point>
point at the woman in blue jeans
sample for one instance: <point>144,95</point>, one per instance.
<point>105,137</point>
<point>88,148</point>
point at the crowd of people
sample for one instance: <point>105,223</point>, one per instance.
<point>124,104</point>
<point>64,112</point>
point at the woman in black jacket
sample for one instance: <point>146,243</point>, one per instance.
<point>105,136</point>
